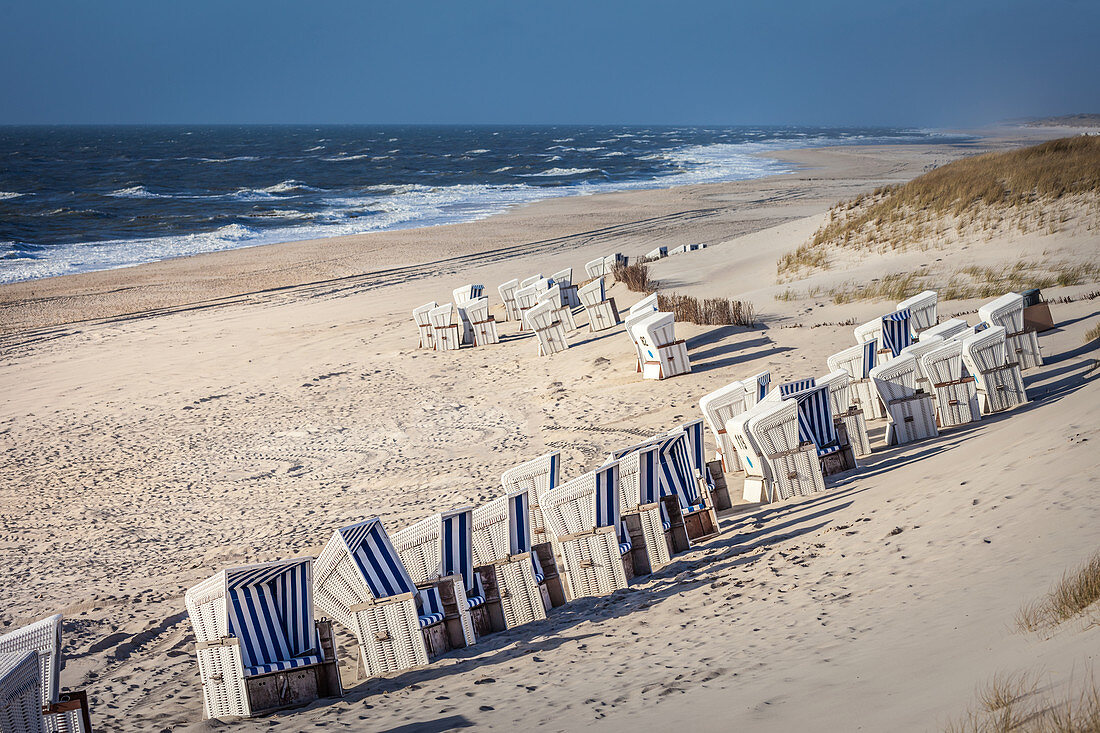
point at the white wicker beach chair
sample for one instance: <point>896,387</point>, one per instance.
<point>438,552</point>
<point>61,712</point>
<point>1000,384</point>
<point>648,304</point>
<point>858,361</point>
<point>20,693</point>
<point>542,319</point>
<point>503,557</point>
<point>448,335</point>
<point>508,297</point>
<point>628,323</point>
<point>947,329</point>
<point>663,356</point>
<point>483,324</point>
<point>597,267</point>
<point>777,464</point>
<point>1022,345</point>
<point>718,407</point>
<point>657,253</point>
<point>564,280</point>
<point>845,411</point>
<point>601,310</point>
<point>582,518</point>
<point>529,281</point>
<point>424,324</point>
<point>360,581</point>
<point>537,476</point>
<point>640,507</point>
<point>527,296</point>
<point>869,331</point>
<point>715,492</point>
<point>917,349</point>
<point>463,296</point>
<point>467,294</point>
<point>896,332</point>
<point>562,312</point>
<point>910,414</point>
<point>956,394</point>
<point>259,649</point>
<point>922,308</point>
<point>816,425</point>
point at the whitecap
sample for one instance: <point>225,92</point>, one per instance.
<point>563,172</point>
<point>479,151</point>
<point>137,192</point>
<point>501,170</point>
<point>5,195</point>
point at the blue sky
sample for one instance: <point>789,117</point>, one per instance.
<point>921,62</point>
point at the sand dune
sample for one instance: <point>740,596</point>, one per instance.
<point>163,422</point>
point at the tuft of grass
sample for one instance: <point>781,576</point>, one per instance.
<point>709,312</point>
<point>635,276</point>
<point>1012,704</point>
<point>1071,596</point>
<point>1093,333</point>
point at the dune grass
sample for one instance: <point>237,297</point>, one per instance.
<point>1072,596</point>
<point>1093,333</point>
<point>635,276</point>
<point>708,312</point>
<point>1011,703</point>
<point>1039,188</point>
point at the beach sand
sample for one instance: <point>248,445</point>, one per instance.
<point>165,421</point>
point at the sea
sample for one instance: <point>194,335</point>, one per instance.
<point>76,199</point>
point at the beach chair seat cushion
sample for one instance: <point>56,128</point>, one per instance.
<point>430,619</point>
<point>284,664</point>
<point>264,646</point>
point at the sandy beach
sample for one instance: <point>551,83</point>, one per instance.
<point>161,422</point>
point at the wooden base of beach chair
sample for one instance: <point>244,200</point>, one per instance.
<point>865,396</point>
<point>957,402</point>
<point>293,688</point>
<point>911,419</point>
<point>73,713</point>
<point>855,426</point>
<point>720,494</point>
<point>647,538</point>
<point>552,587</point>
<point>795,472</point>
<point>842,461</point>
<point>437,639</point>
<point>701,525</point>
<point>628,564</point>
<point>603,315</point>
<point>485,621</point>
<point>569,296</point>
<point>677,534</point>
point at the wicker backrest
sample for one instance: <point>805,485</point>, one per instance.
<point>502,527</point>
<point>774,427</point>
<point>985,350</point>
<point>943,363</point>
<point>508,290</point>
<point>420,313</point>
<point>922,307</point>
<point>639,482</point>
<point>896,380</point>
<point>592,293</point>
<point>1007,311</point>
<point>947,329</point>
<point>44,639</point>
<point>541,315</point>
<point>478,310</point>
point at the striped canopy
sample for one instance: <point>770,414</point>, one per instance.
<point>870,354</point>
<point>677,477</point>
<point>649,468</point>
<point>381,567</point>
<point>270,611</point>
<point>815,419</point>
<point>795,385</point>
<point>519,523</point>
<point>895,331</point>
<point>607,495</point>
<point>762,383</point>
<point>457,551</point>
<point>694,432</point>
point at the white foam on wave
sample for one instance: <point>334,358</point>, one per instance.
<point>137,192</point>
<point>479,151</point>
<point>560,172</point>
<point>225,160</point>
<point>342,158</point>
<point>5,195</point>
<point>502,169</point>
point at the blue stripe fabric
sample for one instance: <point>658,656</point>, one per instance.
<point>870,354</point>
<point>815,418</point>
<point>607,495</point>
<point>649,468</point>
<point>458,546</point>
<point>796,385</point>
<point>981,327</point>
<point>554,461</point>
<point>895,331</point>
<point>430,601</point>
<point>539,574</point>
<point>519,524</point>
<point>676,475</point>
<point>478,596</point>
<point>430,619</point>
<point>379,563</point>
<point>762,384</point>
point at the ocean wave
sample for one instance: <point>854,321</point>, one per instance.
<point>502,169</point>
<point>5,195</point>
<point>479,151</point>
<point>342,158</point>
<point>226,160</point>
<point>137,192</point>
<point>562,172</point>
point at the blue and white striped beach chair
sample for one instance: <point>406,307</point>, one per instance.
<point>640,507</point>
<point>816,425</point>
<point>845,412</point>
<point>763,381</point>
<point>896,334</point>
<point>438,551</point>
<point>360,581</point>
<point>582,518</point>
<point>505,562</point>
<point>536,476</point>
<point>686,505</point>
<point>922,310</point>
<point>252,623</point>
<point>778,465</point>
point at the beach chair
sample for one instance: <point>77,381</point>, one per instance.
<point>922,310</point>
<point>896,333</point>
<point>467,294</point>
<point>447,337</point>
<point>637,313</point>
<point>582,519</point>
<point>648,304</point>
<point>686,503</point>
<point>424,324</point>
<point>640,508</point>
<point>1000,384</point>
<point>503,561</point>
<point>663,356</point>
<point>529,281</point>
<point>845,413</point>
<point>258,647</point>
<point>911,415</point>
<point>869,331</point>
<point>917,349</point>
<point>58,711</point>
<point>657,253</point>
<point>816,425</point>
<point>788,388</point>
<point>438,553</point>
<point>360,581</point>
<point>716,492</point>
<point>537,477</point>
<point>484,325</point>
<point>527,296</point>
<point>508,297</point>
<point>947,329</point>
<point>601,310</point>
<point>20,693</point>
<point>777,464</point>
<point>463,296</point>
<point>564,280</point>
<point>956,394</point>
<point>762,382</point>
<point>858,361</point>
<point>597,268</point>
<point>542,319</point>
<point>562,312</point>
<point>718,407</point>
<point>1022,344</point>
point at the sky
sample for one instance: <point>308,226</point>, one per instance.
<point>934,63</point>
